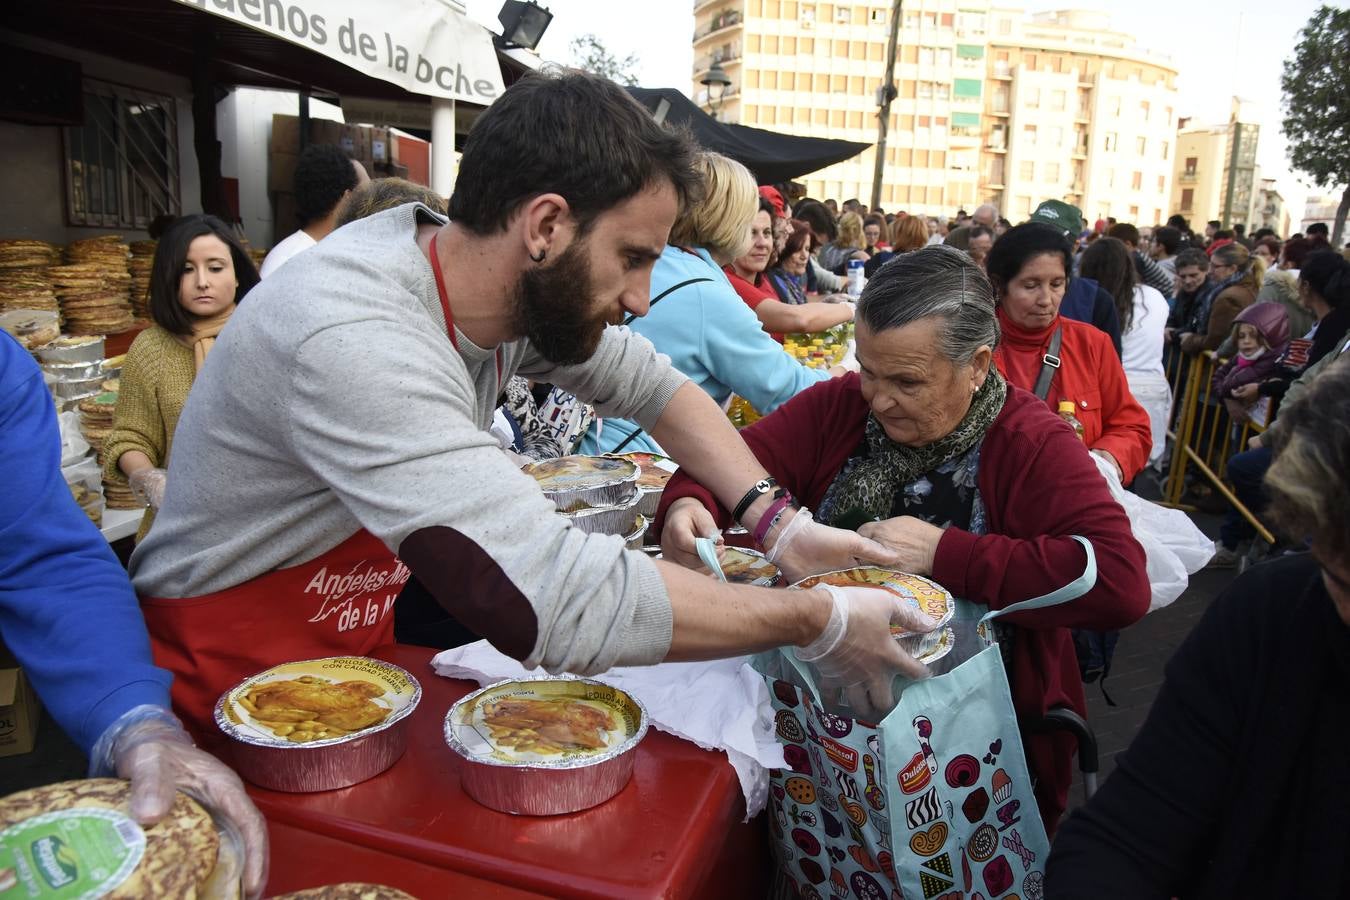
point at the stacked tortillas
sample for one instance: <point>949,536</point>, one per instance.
<point>181,851</point>
<point>140,265</point>
<point>24,279</point>
<point>93,286</point>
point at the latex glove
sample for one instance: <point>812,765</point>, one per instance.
<point>913,539</point>
<point>801,546</point>
<point>856,651</point>
<point>687,519</point>
<point>149,484</point>
<point>149,747</point>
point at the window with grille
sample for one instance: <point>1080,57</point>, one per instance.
<point>122,163</point>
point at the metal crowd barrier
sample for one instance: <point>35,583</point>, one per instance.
<point>1202,435</point>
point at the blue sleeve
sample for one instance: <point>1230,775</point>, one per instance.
<point>67,609</point>
<point>740,354</point>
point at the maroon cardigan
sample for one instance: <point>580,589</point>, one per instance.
<point>1039,487</point>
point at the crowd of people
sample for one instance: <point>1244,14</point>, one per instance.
<point>368,401</point>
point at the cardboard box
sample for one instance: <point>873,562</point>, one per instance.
<point>285,134</point>
<point>20,713</point>
<point>281,172</point>
<point>379,146</point>
<point>324,131</point>
<point>284,220</point>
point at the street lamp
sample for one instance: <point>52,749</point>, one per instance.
<point>523,24</point>
<point>717,82</point>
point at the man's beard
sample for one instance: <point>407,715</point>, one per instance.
<point>553,308</point>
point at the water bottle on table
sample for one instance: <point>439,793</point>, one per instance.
<point>855,278</point>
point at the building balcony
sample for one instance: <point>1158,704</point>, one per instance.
<point>1190,176</point>
<point>701,4</point>
<point>721,23</point>
<point>1001,111</point>
<point>725,59</point>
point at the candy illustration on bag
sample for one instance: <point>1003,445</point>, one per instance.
<point>797,759</point>
<point>838,886</point>
<point>812,870</point>
<point>963,771</point>
<point>881,823</point>
<point>789,729</point>
<point>923,728</point>
<point>806,841</point>
<point>1001,785</point>
<point>976,805</point>
<point>924,809</point>
<point>872,793</point>
<point>998,876</point>
<point>863,859</point>
<point>1014,843</point>
<point>1007,814</point>
<point>865,887</point>
<point>926,843</point>
<point>983,843</point>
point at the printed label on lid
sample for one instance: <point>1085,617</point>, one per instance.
<point>73,853</point>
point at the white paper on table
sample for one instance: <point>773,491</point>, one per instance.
<point>718,705</point>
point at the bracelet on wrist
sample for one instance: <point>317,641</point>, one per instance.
<point>757,490</point>
<point>771,516</point>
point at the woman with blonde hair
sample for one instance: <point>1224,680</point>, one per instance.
<point>1236,280</point>
<point>699,321</point>
<point>847,245</point>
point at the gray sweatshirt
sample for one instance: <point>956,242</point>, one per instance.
<point>334,401</point>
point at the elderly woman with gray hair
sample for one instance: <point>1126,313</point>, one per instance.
<point>1236,784</point>
<point>972,481</point>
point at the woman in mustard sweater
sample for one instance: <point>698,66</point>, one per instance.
<point>200,272</point>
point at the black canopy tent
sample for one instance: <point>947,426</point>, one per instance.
<point>771,156</point>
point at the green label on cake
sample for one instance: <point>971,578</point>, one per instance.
<point>74,854</point>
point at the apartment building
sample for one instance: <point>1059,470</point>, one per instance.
<point>991,105</point>
<point>1216,173</point>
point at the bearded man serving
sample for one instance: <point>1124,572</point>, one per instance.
<point>342,419</point>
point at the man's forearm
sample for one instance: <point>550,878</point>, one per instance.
<point>712,620</point>
<point>698,435</point>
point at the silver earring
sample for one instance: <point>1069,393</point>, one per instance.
<point>540,258</point>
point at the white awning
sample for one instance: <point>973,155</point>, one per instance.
<point>423,46</point>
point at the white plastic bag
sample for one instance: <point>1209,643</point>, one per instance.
<point>73,445</point>
<point>1174,547</point>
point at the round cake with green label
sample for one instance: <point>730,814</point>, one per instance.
<point>77,839</point>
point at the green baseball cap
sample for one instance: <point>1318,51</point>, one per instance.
<point>1065,217</point>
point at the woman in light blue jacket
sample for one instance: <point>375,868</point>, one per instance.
<point>699,321</point>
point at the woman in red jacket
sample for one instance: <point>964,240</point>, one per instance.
<point>1030,268</point>
<point>972,481</point>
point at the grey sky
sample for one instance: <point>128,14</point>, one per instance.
<point>1237,48</point>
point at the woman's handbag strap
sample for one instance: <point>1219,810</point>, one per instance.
<point>1049,364</point>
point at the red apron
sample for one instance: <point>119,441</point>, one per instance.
<point>339,604</point>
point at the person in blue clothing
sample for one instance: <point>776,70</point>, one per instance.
<point>697,318</point>
<point>70,616</point>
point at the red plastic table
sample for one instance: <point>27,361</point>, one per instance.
<point>674,831</point>
<point>302,859</point>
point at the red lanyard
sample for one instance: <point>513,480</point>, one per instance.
<point>445,303</point>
